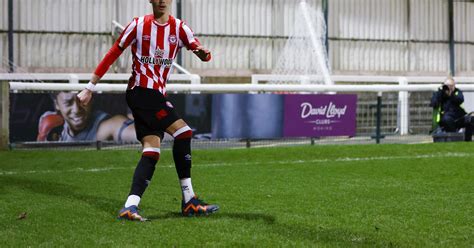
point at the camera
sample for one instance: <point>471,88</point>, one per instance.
<point>445,87</point>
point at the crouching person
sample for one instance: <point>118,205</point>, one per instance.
<point>450,116</point>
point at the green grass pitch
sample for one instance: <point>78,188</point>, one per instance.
<point>319,196</point>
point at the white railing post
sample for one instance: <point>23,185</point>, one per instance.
<point>255,78</point>
<point>73,79</point>
<point>403,108</point>
<point>195,79</point>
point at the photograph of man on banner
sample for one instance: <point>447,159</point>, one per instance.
<point>71,121</point>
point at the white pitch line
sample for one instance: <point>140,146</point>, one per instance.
<point>348,159</point>
<point>345,159</point>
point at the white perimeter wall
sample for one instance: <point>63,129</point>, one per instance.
<point>366,36</point>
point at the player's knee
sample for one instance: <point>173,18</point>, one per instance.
<point>151,141</point>
<point>152,153</point>
<point>183,133</point>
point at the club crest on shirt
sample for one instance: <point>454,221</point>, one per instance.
<point>159,53</point>
<point>172,39</point>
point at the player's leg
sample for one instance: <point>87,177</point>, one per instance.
<point>182,134</point>
<point>150,139</point>
<point>448,122</point>
<point>145,168</point>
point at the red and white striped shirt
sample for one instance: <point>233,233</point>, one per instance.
<point>154,47</point>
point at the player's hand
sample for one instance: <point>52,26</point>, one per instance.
<point>84,97</point>
<point>202,53</point>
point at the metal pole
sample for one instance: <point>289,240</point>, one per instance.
<point>4,114</point>
<point>379,118</point>
<point>179,15</point>
<point>403,108</point>
<point>117,11</point>
<point>326,14</point>
<point>451,38</point>
<point>10,36</point>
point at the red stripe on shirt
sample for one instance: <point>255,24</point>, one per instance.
<point>146,45</point>
<point>172,49</point>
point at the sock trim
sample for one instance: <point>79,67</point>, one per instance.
<point>151,152</point>
<point>151,149</point>
<point>181,130</point>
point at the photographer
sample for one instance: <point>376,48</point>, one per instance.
<point>451,115</point>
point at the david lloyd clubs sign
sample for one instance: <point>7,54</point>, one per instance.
<point>319,115</point>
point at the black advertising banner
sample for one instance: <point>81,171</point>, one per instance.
<point>58,117</point>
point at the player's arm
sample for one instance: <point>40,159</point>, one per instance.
<point>112,55</point>
<point>436,99</point>
<point>125,39</point>
<point>202,53</point>
<point>192,43</point>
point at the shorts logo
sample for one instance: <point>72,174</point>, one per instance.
<point>169,104</point>
<point>159,53</point>
<point>172,39</point>
<point>161,114</point>
<point>146,37</point>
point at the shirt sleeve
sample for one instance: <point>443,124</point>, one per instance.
<point>187,37</point>
<point>436,98</point>
<point>128,35</point>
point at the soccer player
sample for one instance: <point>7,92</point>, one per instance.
<point>155,41</point>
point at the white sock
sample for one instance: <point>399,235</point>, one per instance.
<point>132,200</point>
<point>187,189</point>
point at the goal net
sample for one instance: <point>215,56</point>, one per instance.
<point>304,53</point>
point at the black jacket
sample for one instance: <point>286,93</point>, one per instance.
<point>450,105</point>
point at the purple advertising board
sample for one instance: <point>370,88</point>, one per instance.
<point>319,115</point>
